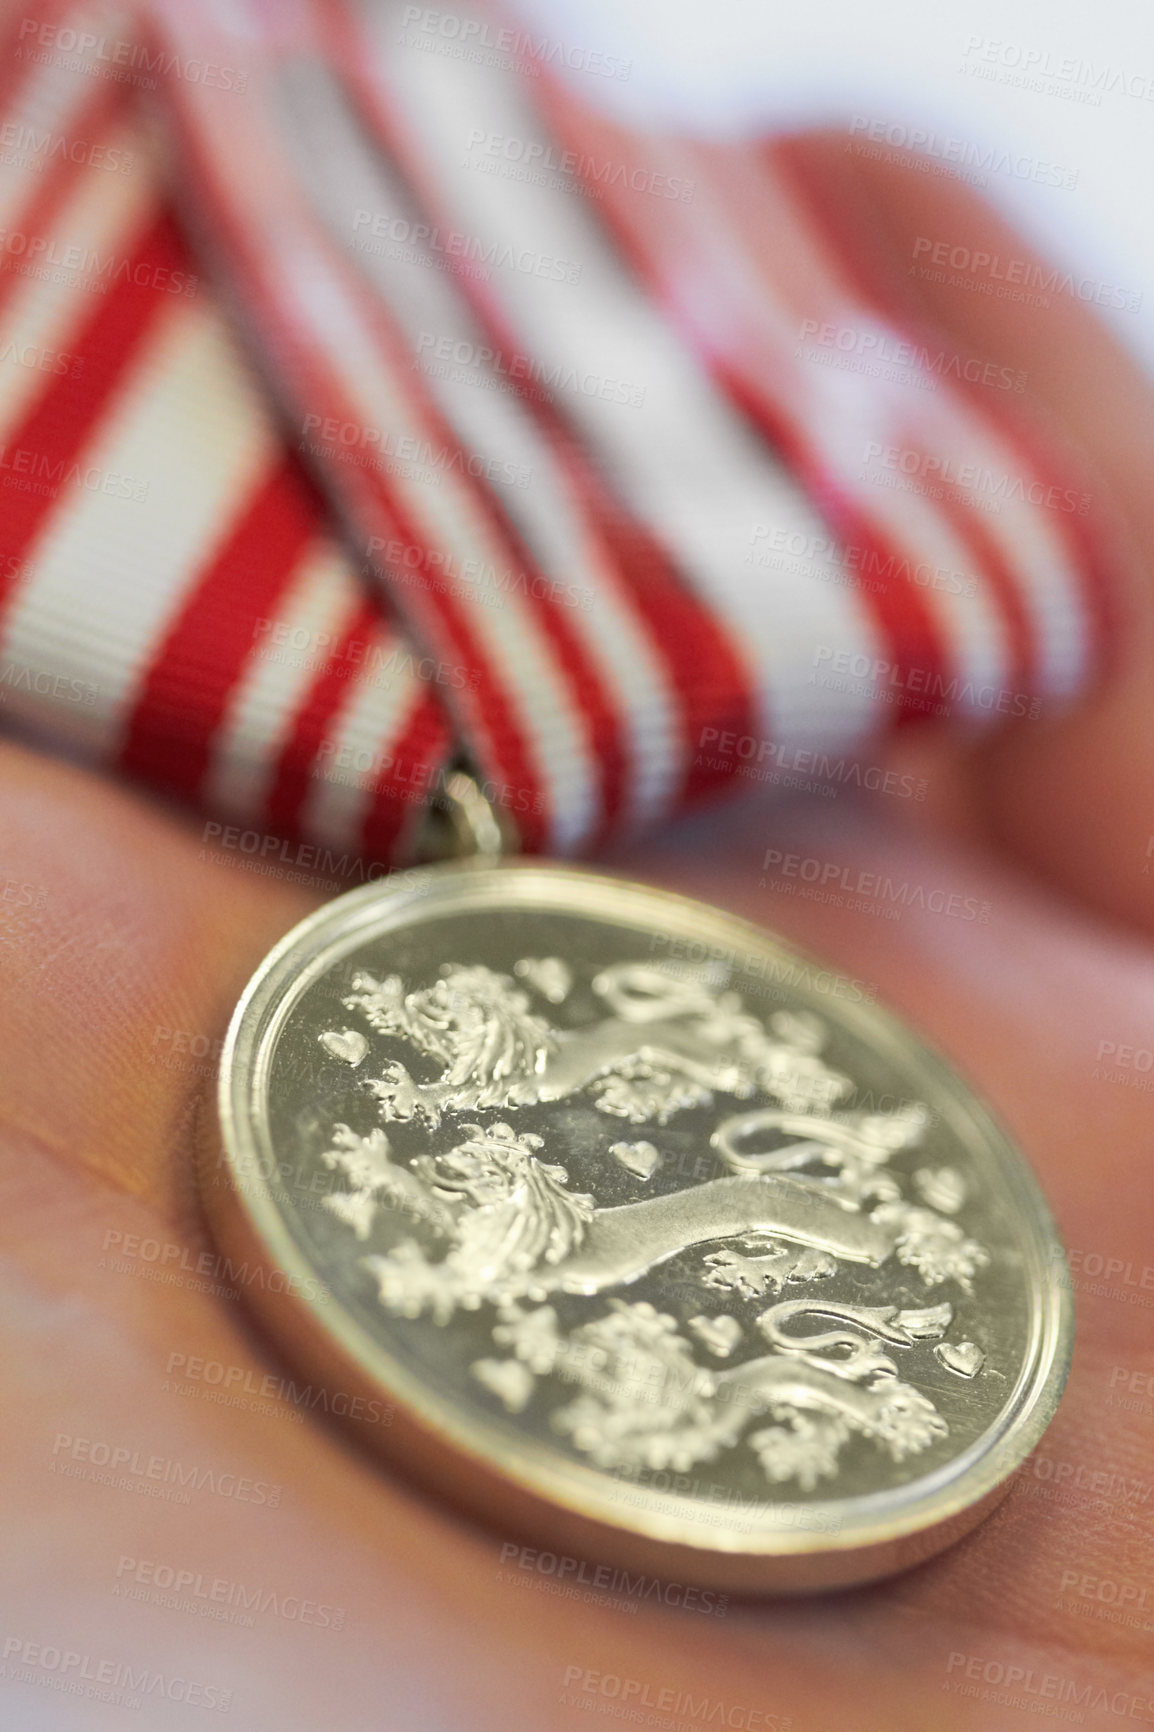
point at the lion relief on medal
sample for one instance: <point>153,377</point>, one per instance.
<point>804,1188</point>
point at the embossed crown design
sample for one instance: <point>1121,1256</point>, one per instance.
<point>805,1188</point>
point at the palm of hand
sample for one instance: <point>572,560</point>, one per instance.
<point>124,955</point>
<point>313,1583</point>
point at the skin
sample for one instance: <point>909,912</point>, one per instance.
<point>132,931</point>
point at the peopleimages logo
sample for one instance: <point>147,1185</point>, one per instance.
<point>1024,274</point>
<point>434,569</point>
<point>533,153</point>
<point>833,772</point>
<point>518,368</point>
<point>121,1683</point>
<point>576,1573</point>
<point>87,266</point>
<point>476,38</point>
<point>373,447</point>
<point>1113,1600</point>
<point>858,567</point>
<point>115,57</point>
<point>633,1694</point>
<point>41,360</point>
<point>129,1469</point>
<point>334,653</point>
<point>60,688</point>
<point>1022,1686</point>
<point>878,344</point>
<point>889,681</point>
<point>1081,77</point>
<point>25,144</point>
<point>39,472</point>
<point>830,880</point>
<point>310,855</point>
<point>216,1596</point>
<point>996,486</point>
<point>455,244</point>
<point>987,159</point>
<point>212,1375</point>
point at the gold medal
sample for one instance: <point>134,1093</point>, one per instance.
<point>657,1251</point>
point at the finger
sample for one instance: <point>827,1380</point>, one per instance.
<point>125,940</point>
<point>1072,797</point>
<point>95,1350</point>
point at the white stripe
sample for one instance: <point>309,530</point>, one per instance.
<point>319,603</point>
<point>102,214</point>
<point>111,571</point>
<point>843,411</point>
<point>316,293</point>
<point>971,626</point>
<point>360,741</point>
<point>448,517</point>
<point>692,470</point>
<point>343,178</point>
<point>1030,536</point>
<point>840,413</point>
<point>50,101</point>
<point>949,424</point>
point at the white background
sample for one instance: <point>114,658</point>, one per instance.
<point>726,65</point>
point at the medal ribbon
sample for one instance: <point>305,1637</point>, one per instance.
<point>443,415</point>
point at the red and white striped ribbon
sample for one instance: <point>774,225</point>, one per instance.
<point>173,599</point>
<point>566,420</point>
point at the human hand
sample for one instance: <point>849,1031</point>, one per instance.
<point>121,962</point>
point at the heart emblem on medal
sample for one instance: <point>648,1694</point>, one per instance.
<point>507,1379</point>
<point>346,1044</point>
<point>720,1334</point>
<point>548,975</point>
<point>942,1188</point>
<point>640,1159</point>
<point>962,1357</point>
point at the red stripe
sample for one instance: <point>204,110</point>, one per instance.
<point>902,617</point>
<point>701,663</point>
<point>985,552</point>
<point>485,711</point>
<point>1091,540</point>
<point>603,722</point>
<point>488,714</point>
<point>53,187</point>
<point>313,721</point>
<point>16,65</point>
<point>184,695</point>
<point>995,565</point>
<point>900,614</point>
<point>403,786</point>
<point>591,697</point>
<point>57,429</point>
<point>843,230</point>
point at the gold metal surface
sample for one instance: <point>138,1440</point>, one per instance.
<point>658,1248</point>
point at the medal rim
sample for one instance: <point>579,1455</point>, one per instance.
<point>862,1527</point>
